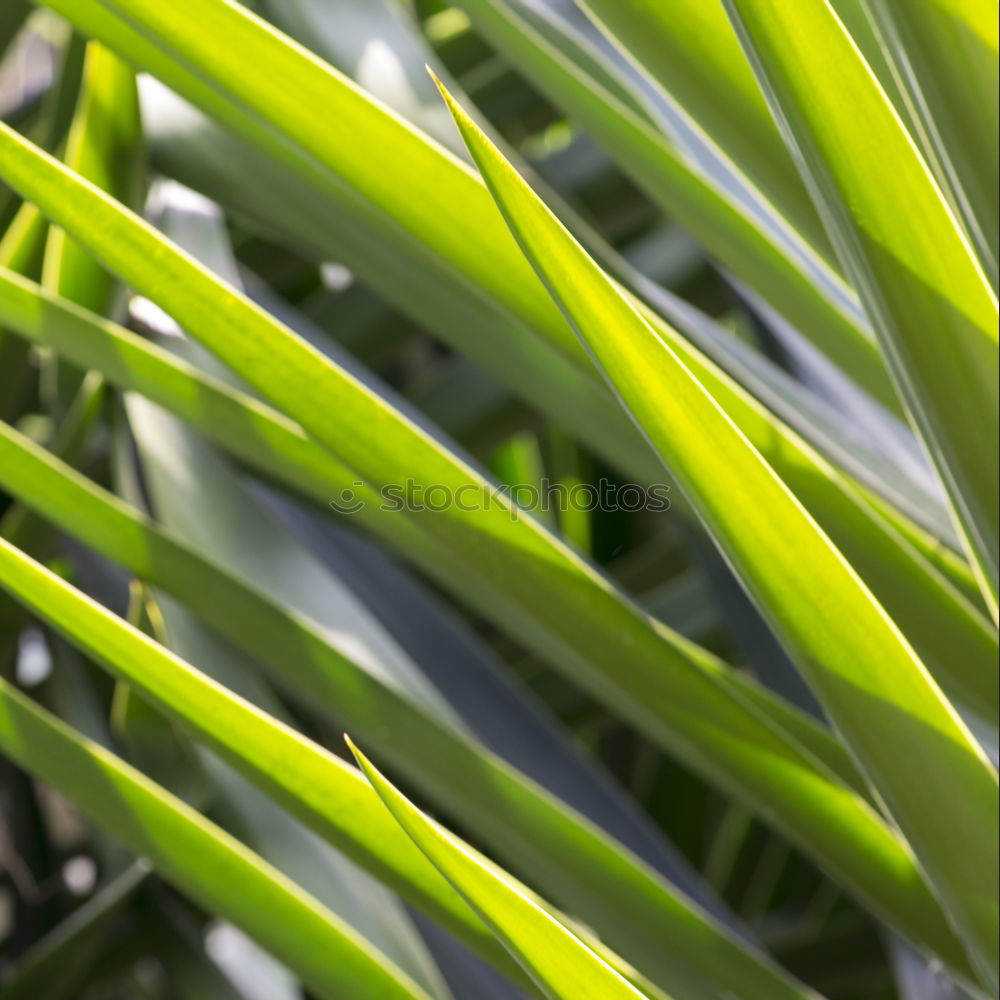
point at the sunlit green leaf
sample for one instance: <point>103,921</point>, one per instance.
<point>918,276</point>
<point>828,619</point>
<point>562,965</point>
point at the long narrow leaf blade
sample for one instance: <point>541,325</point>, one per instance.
<point>956,640</point>
<point>406,275</point>
<point>102,146</point>
<point>562,965</point>
<point>664,685</point>
<point>950,632</point>
<point>918,276</point>
<point>309,782</point>
<point>598,879</point>
<point>276,447</point>
<point>875,689</point>
<point>199,858</point>
<point>944,58</point>
<point>691,50</point>
<point>762,248</point>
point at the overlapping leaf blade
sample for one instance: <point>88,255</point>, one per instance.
<point>563,852</point>
<point>915,270</point>
<point>275,447</point>
<point>944,59</point>
<point>758,244</point>
<point>530,366</point>
<point>939,618</point>
<point>197,856</point>
<point>589,616</point>
<point>562,965</point>
<point>693,53</point>
<point>318,787</point>
<point>433,545</point>
<point>830,622</point>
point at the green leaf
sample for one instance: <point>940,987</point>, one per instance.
<point>148,739</point>
<point>905,572</point>
<point>241,808</point>
<point>904,566</point>
<point>102,146</point>
<point>21,249</point>
<point>376,44</point>
<point>690,49</point>
<point>439,231</point>
<point>213,513</point>
<point>562,965</point>
<point>195,855</point>
<point>875,689</point>
<point>944,59</point>
<point>918,277</point>
<point>599,879</point>
<point>315,786</point>
<point>766,253</point>
<point>957,640</point>
<point>319,789</point>
<point>416,282</point>
<point>670,689</point>
<point>939,618</point>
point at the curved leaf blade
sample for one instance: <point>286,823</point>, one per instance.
<point>944,59</point>
<point>690,49</point>
<point>309,782</point>
<point>759,246</point>
<point>325,211</point>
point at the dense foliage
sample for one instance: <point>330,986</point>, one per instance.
<point>590,408</point>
